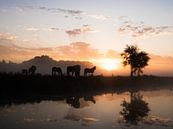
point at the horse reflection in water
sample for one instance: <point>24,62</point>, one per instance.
<point>89,98</point>
<point>135,110</point>
<point>75,101</point>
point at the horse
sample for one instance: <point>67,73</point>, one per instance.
<point>32,70</point>
<point>89,70</point>
<point>25,72</point>
<point>56,70</point>
<point>74,70</point>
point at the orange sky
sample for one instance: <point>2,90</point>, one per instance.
<point>96,31</point>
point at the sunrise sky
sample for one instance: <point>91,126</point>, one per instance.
<point>90,30</point>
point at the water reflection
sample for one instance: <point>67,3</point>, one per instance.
<point>72,100</point>
<point>75,100</point>
<point>92,109</point>
<point>135,110</point>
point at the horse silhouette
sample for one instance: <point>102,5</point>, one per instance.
<point>74,70</point>
<point>32,70</point>
<point>25,72</point>
<point>89,70</point>
<point>56,70</point>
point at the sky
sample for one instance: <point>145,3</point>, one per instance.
<point>92,30</point>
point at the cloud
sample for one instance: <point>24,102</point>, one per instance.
<point>88,29</point>
<point>35,29</point>
<point>85,121</point>
<point>72,117</point>
<point>19,9</point>
<point>10,51</point>
<point>78,51</point>
<point>70,11</point>
<point>67,11</point>
<point>15,53</point>
<point>72,51</point>
<point>7,40</point>
<point>98,17</point>
<point>160,65</point>
<point>53,29</point>
<point>122,17</point>
<point>78,31</point>
<point>112,54</point>
<point>77,14</point>
<point>3,10</point>
<point>74,32</point>
<point>32,29</point>
<point>6,36</point>
<point>141,30</point>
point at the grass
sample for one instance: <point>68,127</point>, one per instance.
<point>18,83</point>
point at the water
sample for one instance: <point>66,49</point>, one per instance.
<point>99,111</point>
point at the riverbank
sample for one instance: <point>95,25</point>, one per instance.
<point>39,84</point>
<point>18,89</point>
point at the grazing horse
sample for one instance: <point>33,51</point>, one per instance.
<point>89,70</point>
<point>25,72</point>
<point>32,70</point>
<point>74,70</point>
<point>56,70</point>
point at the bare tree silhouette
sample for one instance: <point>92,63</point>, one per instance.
<point>135,58</point>
<point>89,70</point>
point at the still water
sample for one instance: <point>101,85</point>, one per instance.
<point>98,111</point>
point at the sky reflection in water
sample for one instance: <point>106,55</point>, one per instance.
<point>100,111</point>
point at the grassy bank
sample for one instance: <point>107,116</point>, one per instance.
<point>17,88</point>
<point>20,84</point>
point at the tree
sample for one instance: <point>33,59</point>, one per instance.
<point>135,58</point>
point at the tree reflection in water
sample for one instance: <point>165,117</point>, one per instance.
<point>135,110</point>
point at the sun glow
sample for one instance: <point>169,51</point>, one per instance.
<point>109,64</point>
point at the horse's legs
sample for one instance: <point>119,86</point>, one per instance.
<point>73,73</point>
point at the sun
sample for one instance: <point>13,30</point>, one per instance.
<point>109,64</point>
